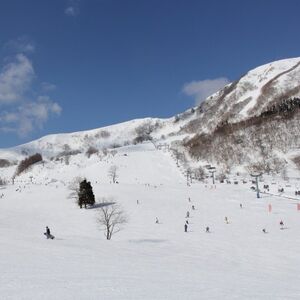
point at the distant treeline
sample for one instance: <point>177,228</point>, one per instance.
<point>27,162</point>
<point>287,106</point>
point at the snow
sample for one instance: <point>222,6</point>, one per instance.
<point>244,101</point>
<point>248,97</point>
<point>145,260</point>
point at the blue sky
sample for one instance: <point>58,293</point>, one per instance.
<point>70,65</point>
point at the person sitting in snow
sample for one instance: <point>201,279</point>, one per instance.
<point>48,233</point>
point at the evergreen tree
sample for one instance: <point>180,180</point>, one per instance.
<point>85,194</point>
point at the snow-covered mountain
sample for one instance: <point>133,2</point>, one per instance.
<point>256,94</point>
<point>244,254</point>
<point>250,95</point>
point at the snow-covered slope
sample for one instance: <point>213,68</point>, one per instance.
<point>252,94</point>
<point>145,260</point>
<point>241,100</point>
<point>248,96</point>
<point>105,137</point>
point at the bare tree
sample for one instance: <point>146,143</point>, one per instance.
<point>67,159</point>
<point>104,151</point>
<point>4,163</point>
<point>177,155</point>
<point>113,152</point>
<point>3,182</point>
<point>91,150</point>
<point>112,173</point>
<point>74,187</point>
<point>111,218</point>
<point>257,167</point>
<point>189,175</point>
<point>199,173</point>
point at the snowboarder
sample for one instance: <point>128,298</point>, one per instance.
<point>187,214</point>
<point>207,229</point>
<point>264,230</point>
<point>185,227</point>
<point>48,233</point>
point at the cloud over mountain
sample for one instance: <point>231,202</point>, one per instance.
<point>203,88</point>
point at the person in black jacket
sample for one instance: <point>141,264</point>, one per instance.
<point>48,233</point>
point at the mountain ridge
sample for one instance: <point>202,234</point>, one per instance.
<point>248,97</point>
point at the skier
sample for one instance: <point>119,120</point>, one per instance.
<point>281,224</point>
<point>207,229</point>
<point>187,214</point>
<point>241,206</point>
<point>186,222</point>
<point>226,220</point>
<point>193,207</point>
<point>185,227</point>
<point>189,199</point>
<point>264,230</point>
<point>156,221</point>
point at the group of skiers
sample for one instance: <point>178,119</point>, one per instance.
<point>207,229</point>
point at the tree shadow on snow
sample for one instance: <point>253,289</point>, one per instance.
<point>103,204</point>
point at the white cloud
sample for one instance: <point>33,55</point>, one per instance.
<point>71,11</point>
<point>48,87</point>
<point>24,118</point>
<point>15,79</point>
<point>21,112</point>
<point>20,45</point>
<point>72,8</point>
<point>203,88</point>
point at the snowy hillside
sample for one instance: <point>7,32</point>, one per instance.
<point>250,95</point>
<point>259,92</point>
<point>162,174</point>
<point>146,260</point>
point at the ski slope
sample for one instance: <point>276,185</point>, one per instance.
<point>145,260</point>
